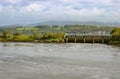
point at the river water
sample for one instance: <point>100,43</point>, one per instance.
<point>59,61</point>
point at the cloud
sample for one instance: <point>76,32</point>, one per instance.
<point>66,1</point>
<point>13,1</point>
<point>0,8</point>
<point>32,7</point>
<point>10,2</point>
<point>87,1</point>
<point>116,1</point>
<point>27,11</point>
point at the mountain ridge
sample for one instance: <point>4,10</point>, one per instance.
<point>61,23</point>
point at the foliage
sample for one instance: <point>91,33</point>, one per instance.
<point>85,29</point>
<point>7,36</point>
<point>36,35</point>
<point>115,39</point>
<point>22,38</point>
<point>53,37</point>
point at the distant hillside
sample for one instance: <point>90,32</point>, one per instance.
<point>66,23</point>
<point>76,29</point>
<point>79,23</point>
<point>15,25</point>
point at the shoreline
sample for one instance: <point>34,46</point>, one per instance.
<point>118,45</point>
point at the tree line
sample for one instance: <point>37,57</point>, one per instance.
<point>35,36</point>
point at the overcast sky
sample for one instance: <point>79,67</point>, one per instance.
<point>33,11</point>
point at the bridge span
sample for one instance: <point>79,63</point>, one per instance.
<point>85,38</point>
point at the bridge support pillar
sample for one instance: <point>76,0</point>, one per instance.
<point>75,40</point>
<point>103,41</point>
<point>84,40</point>
<point>93,41</point>
<point>66,40</point>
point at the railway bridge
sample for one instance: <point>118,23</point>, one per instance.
<point>85,38</point>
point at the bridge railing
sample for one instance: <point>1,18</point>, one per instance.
<point>87,35</point>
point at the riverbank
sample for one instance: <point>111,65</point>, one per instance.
<point>115,43</point>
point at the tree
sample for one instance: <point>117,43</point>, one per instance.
<point>115,36</point>
<point>36,35</point>
<point>17,34</point>
<point>7,34</point>
<point>48,35</point>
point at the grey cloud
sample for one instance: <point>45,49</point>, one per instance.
<point>116,1</point>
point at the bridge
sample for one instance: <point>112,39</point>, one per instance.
<point>86,38</point>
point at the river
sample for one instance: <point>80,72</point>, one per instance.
<point>59,61</point>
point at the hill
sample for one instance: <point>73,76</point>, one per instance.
<point>61,23</point>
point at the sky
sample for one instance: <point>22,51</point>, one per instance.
<point>34,11</point>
